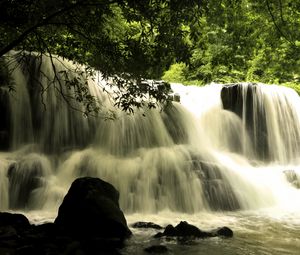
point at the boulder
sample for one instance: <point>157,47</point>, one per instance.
<point>89,221</point>
<point>223,232</point>
<point>91,209</point>
<point>142,224</point>
<point>184,229</point>
<point>15,220</point>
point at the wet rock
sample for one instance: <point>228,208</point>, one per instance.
<point>24,178</point>
<point>5,114</point>
<point>91,208</point>
<point>172,117</point>
<point>243,100</point>
<point>14,219</point>
<point>292,178</point>
<point>217,190</point>
<point>184,229</point>
<point>156,249</point>
<point>142,224</point>
<point>89,222</point>
<point>176,97</point>
<point>223,232</point>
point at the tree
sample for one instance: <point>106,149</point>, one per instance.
<point>245,40</point>
<point>128,39</point>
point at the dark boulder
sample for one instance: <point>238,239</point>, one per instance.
<point>13,219</point>
<point>89,222</point>
<point>142,224</point>
<point>91,209</point>
<point>184,229</point>
<point>223,232</point>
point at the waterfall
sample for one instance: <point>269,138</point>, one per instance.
<point>223,147</point>
<point>271,118</point>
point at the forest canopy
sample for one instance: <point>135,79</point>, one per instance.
<point>244,40</point>
<point>184,41</point>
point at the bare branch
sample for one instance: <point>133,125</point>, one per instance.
<point>276,25</point>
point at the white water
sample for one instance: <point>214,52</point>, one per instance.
<point>193,162</point>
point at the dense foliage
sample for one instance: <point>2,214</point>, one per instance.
<point>244,40</point>
<point>129,39</point>
<point>187,41</point>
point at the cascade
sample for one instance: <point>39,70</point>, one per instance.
<point>223,147</point>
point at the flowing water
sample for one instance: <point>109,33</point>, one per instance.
<point>225,155</point>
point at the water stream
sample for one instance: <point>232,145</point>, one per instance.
<point>224,155</point>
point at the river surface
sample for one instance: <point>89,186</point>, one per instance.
<point>260,232</point>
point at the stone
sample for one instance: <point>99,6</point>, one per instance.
<point>91,209</point>
<point>186,230</point>
<point>14,219</point>
<point>224,232</point>
<point>183,229</point>
<point>142,224</point>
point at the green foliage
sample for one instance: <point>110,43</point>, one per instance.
<point>245,40</point>
<point>130,39</point>
<point>176,73</point>
<point>182,41</point>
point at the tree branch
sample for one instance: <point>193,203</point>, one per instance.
<point>276,25</point>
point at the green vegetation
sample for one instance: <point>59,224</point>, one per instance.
<point>193,42</point>
<point>245,40</point>
<point>131,39</point>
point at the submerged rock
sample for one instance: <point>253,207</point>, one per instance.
<point>91,208</point>
<point>184,229</point>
